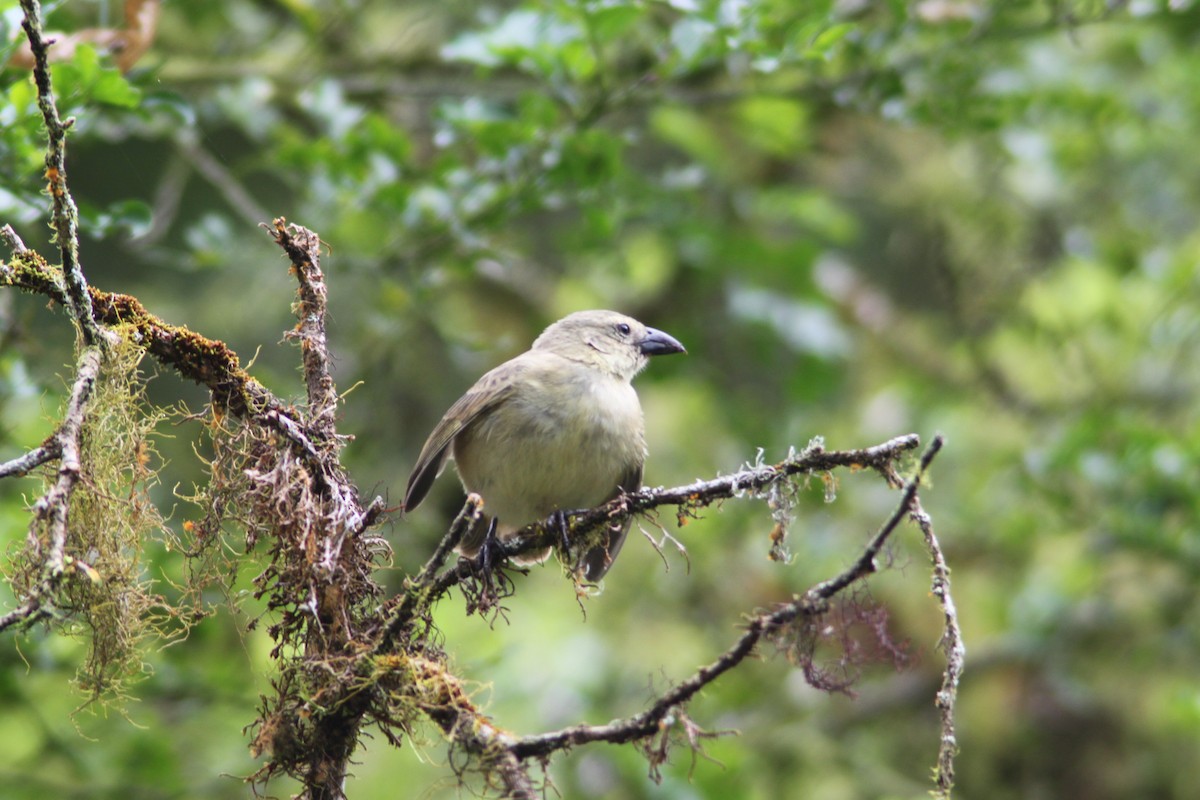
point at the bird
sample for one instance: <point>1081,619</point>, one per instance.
<point>557,428</point>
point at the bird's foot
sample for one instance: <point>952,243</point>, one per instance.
<point>558,521</point>
<point>490,584</point>
<point>485,597</point>
<point>489,551</point>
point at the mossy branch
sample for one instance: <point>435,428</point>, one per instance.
<point>651,728</point>
<point>209,362</point>
<point>64,214</point>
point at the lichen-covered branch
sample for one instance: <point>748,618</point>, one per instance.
<point>324,589</point>
<point>474,733</point>
<point>206,361</point>
<point>51,509</point>
<point>952,645</point>
<point>303,247</point>
<point>22,465</point>
<point>64,215</point>
<point>348,670</point>
<point>812,603</point>
<point>430,585</point>
<point>814,459</point>
<point>49,528</point>
<point>346,659</point>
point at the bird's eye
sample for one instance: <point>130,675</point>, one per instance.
<point>623,328</point>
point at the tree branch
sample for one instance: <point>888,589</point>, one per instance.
<point>12,240</point>
<point>505,755</point>
<point>52,508</point>
<point>954,648</point>
<point>64,214</point>
<point>757,479</point>
<point>209,362</point>
<point>22,465</point>
<point>303,247</point>
<point>812,603</point>
<point>423,590</point>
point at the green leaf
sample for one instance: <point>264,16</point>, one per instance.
<point>608,24</point>
<point>129,217</point>
<point>85,79</point>
<point>690,132</point>
<point>112,89</point>
<point>776,125</point>
<point>825,41</point>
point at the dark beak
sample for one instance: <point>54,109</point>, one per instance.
<point>658,343</point>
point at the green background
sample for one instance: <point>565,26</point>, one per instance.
<point>862,218</point>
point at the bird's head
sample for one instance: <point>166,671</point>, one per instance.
<point>608,341</point>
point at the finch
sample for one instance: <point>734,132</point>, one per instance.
<point>557,428</point>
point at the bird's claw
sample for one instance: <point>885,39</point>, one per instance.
<point>487,556</point>
<point>559,520</point>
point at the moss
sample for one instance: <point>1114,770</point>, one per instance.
<point>102,594</point>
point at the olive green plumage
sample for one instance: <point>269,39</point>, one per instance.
<point>559,427</point>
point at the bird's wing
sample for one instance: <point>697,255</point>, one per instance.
<point>598,560</point>
<point>488,392</point>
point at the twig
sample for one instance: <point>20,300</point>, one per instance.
<point>956,653</point>
<point>64,214</point>
<point>811,603</point>
<point>53,505</point>
<point>303,247</point>
<point>866,561</point>
<point>695,495</point>
<point>26,614</point>
<point>209,362</point>
<point>700,494</point>
<point>12,240</point>
<point>504,754</point>
<point>21,465</point>
<point>52,508</point>
<point>421,591</point>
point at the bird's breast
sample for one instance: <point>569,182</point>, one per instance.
<point>561,441</point>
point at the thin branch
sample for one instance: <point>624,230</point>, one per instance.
<point>64,214</point>
<point>24,615</point>
<point>812,603</point>
<point>428,589</point>
<point>303,247</point>
<point>956,653</point>
<point>22,465</point>
<point>866,561</point>
<point>814,458</point>
<point>209,362</point>
<point>12,240</point>
<point>425,588</point>
<point>52,508</point>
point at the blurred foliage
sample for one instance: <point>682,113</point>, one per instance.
<point>862,218</point>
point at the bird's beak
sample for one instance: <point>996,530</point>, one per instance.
<point>658,343</point>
